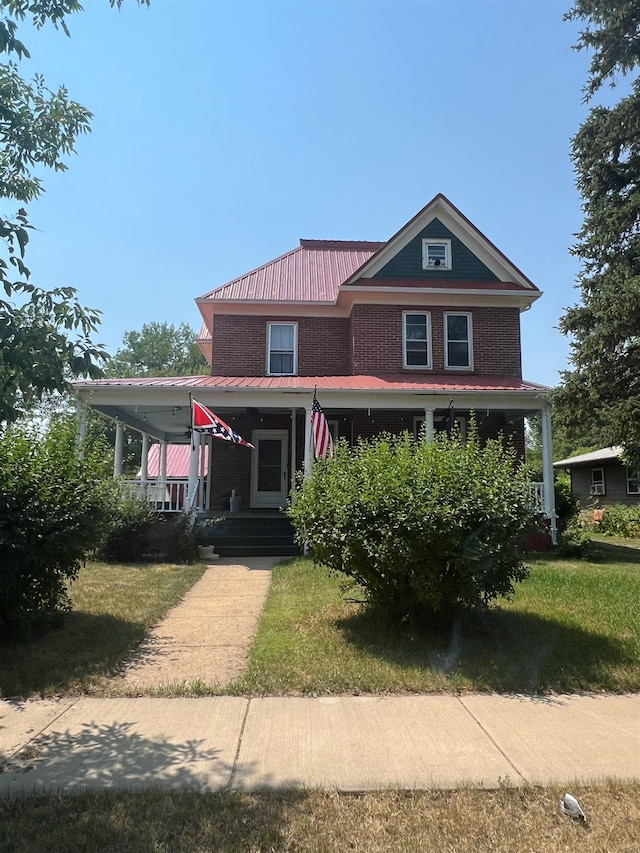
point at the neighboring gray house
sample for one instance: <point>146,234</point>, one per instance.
<point>600,478</point>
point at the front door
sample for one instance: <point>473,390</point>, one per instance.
<point>269,480</point>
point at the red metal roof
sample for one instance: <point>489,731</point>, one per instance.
<point>177,460</point>
<point>312,272</point>
<point>386,382</point>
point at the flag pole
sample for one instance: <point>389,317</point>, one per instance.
<point>191,419</point>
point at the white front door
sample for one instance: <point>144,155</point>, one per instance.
<point>269,478</point>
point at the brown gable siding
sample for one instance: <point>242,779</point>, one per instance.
<point>241,345</point>
<point>376,332</point>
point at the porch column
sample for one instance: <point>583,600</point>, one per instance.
<point>163,461</point>
<point>117,459</point>
<point>292,469</point>
<point>193,471</point>
<point>428,425</point>
<point>547,471</point>
<point>81,432</point>
<point>201,496</point>
<point>144,459</point>
<point>308,449</point>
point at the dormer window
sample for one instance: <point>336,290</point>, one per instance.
<point>436,254</point>
<point>282,349</point>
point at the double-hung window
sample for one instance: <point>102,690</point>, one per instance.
<point>282,349</point>
<point>633,480</point>
<point>416,339</point>
<point>597,482</point>
<point>458,342</point>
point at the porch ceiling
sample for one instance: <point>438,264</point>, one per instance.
<point>161,406</point>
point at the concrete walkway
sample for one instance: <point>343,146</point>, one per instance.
<point>350,743</point>
<point>206,637</point>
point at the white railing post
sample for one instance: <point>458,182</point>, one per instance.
<point>117,459</point>
<point>428,425</point>
<point>547,472</point>
<point>308,444</point>
<point>193,471</point>
<point>144,459</point>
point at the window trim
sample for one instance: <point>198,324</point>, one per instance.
<point>270,326</point>
<point>405,364</point>
<point>600,482</point>
<point>629,471</point>
<point>435,241</point>
<point>469,317</point>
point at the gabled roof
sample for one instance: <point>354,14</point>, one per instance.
<point>605,454</point>
<point>317,271</point>
<point>448,214</point>
<point>312,272</point>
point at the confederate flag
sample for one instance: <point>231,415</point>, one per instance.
<point>204,420</point>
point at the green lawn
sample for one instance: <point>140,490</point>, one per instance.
<point>114,606</point>
<point>573,626</point>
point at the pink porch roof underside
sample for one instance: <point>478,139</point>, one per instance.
<point>312,272</point>
<point>390,382</point>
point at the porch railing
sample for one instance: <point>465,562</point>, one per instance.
<point>535,492</point>
<point>163,495</point>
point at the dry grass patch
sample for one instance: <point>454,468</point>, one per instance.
<point>113,608</point>
<point>466,821</point>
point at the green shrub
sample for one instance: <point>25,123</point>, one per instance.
<point>53,511</point>
<point>575,542</point>
<point>567,506</point>
<point>422,527</point>
<point>130,524</point>
<point>620,520</point>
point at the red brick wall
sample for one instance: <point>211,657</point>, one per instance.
<point>240,345</point>
<point>377,339</point>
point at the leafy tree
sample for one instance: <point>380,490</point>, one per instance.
<point>159,349</point>
<point>604,385</point>
<point>53,513</point>
<point>45,335</point>
<point>423,527</point>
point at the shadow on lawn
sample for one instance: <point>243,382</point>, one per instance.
<point>500,650</point>
<point>618,553</point>
<point>79,648</point>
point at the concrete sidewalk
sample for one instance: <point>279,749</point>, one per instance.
<point>352,743</point>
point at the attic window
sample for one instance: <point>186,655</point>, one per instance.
<point>436,254</point>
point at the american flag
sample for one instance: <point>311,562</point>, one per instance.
<point>322,441</point>
<point>204,420</point>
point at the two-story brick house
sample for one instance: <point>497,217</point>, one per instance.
<point>389,334</point>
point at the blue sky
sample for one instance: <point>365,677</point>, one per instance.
<point>226,131</point>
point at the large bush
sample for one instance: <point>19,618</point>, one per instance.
<point>52,514</point>
<point>424,528</point>
<point>620,520</point>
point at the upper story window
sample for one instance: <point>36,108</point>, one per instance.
<point>597,482</point>
<point>458,342</point>
<point>416,339</point>
<point>633,480</point>
<point>282,349</point>
<point>436,254</point>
